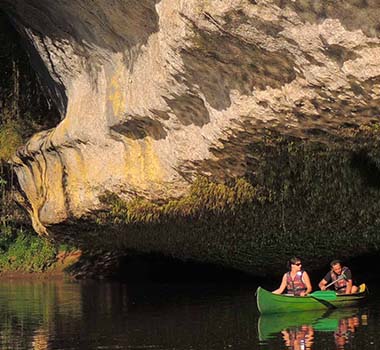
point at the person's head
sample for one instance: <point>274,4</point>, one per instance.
<point>336,266</point>
<point>295,263</point>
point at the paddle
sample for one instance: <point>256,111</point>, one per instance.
<point>338,279</point>
<point>326,325</point>
<point>327,294</point>
<point>324,295</point>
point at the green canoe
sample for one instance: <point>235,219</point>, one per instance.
<point>269,303</point>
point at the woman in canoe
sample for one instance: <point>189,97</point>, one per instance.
<point>296,281</point>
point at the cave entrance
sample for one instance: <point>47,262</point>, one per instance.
<point>158,268</point>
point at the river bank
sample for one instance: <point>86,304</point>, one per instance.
<point>58,269</point>
<point>38,276</point>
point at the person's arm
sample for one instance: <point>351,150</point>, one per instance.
<point>324,281</point>
<point>322,284</point>
<point>282,287</point>
<point>306,280</point>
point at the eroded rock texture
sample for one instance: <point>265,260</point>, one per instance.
<point>153,92</point>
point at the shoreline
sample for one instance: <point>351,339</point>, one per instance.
<point>55,272</point>
<point>29,276</point>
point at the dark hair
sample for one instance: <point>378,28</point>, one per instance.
<point>335,262</point>
<point>293,260</point>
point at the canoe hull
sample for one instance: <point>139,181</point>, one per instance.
<point>268,302</point>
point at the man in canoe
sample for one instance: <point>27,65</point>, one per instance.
<point>341,277</point>
<point>296,281</point>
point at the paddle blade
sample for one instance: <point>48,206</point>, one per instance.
<point>326,325</point>
<point>324,295</point>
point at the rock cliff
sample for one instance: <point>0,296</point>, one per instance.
<point>153,93</point>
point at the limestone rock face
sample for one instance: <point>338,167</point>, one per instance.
<point>152,91</point>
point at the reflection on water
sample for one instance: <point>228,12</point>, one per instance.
<point>48,315</point>
<point>300,330</point>
<point>300,338</point>
<point>28,310</point>
<point>345,330</point>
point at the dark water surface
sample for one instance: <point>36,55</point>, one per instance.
<point>102,315</point>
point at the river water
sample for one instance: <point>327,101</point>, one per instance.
<point>102,315</point>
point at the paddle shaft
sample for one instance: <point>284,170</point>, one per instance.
<point>338,279</point>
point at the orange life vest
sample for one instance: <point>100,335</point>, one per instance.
<point>342,283</point>
<point>296,285</point>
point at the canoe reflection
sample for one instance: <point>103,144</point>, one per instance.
<point>299,329</point>
<point>299,338</point>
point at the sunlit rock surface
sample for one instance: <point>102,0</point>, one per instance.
<point>152,93</point>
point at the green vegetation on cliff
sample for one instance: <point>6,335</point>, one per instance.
<point>25,251</point>
<point>20,248</point>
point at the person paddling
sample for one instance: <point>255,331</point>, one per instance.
<point>341,278</point>
<point>296,281</point>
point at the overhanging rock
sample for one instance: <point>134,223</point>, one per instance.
<point>153,93</point>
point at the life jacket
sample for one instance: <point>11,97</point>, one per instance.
<point>295,286</point>
<point>342,283</point>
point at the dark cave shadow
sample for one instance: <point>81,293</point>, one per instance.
<point>367,168</point>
